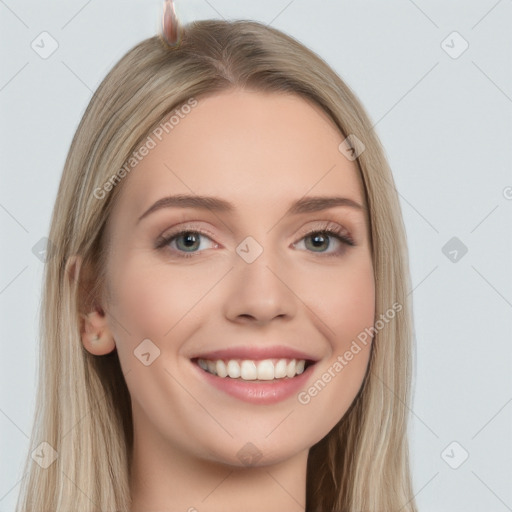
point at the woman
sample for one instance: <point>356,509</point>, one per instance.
<point>256,371</point>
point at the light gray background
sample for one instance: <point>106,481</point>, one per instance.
<point>445,123</point>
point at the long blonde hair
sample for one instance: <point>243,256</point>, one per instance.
<point>83,405</point>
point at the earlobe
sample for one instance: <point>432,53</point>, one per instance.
<point>95,333</point>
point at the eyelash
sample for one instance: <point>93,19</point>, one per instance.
<point>329,229</point>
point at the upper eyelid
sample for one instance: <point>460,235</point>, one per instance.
<point>318,226</point>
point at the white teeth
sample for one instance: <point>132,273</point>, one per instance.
<point>291,370</point>
<point>220,367</point>
<point>266,369</point>
<point>280,369</point>
<point>248,370</point>
<point>233,369</point>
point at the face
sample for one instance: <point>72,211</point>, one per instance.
<point>250,277</point>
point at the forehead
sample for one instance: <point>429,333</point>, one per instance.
<point>256,149</point>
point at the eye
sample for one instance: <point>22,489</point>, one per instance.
<point>183,242</point>
<point>321,239</point>
<point>186,243</point>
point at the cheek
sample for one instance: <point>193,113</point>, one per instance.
<point>345,306</point>
<point>344,299</point>
<point>150,297</point>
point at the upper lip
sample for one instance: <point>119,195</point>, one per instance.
<point>256,353</point>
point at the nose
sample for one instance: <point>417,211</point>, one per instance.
<point>259,292</point>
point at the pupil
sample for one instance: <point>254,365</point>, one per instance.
<point>318,240</point>
<point>190,239</point>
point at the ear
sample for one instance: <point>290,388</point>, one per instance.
<point>95,333</point>
<point>94,330</point>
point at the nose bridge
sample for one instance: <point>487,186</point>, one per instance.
<point>258,288</point>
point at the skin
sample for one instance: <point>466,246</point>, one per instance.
<point>260,151</point>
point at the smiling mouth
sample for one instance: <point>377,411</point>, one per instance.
<point>263,370</point>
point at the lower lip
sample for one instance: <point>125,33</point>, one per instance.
<point>259,392</point>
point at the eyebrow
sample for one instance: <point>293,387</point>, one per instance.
<point>216,204</point>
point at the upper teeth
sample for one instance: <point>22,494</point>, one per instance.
<point>266,369</point>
